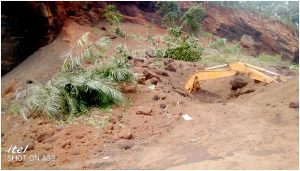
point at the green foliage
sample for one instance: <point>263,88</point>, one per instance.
<point>112,15</point>
<point>120,32</point>
<point>71,64</point>
<point>181,48</point>
<point>85,52</point>
<point>14,108</point>
<point>77,88</point>
<point>70,95</point>
<point>117,74</point>
<point>192,17</point>
<point>171,12</point>
<point>175,31</point>
<point>117,69</point>
<point>121,51</point>
<point>218,44</point>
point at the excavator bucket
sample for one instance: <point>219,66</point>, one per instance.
<point>193,82</point>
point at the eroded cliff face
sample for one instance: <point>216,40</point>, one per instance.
<point>27,26</point>
<point>268,35</point>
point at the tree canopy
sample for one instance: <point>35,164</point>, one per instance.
<point>170,10</point>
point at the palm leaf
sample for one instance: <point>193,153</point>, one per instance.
<point>76,88</point>
<point>84,40</point>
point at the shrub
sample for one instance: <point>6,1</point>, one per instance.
<point>171,12</point>
<point>120,32</point>
<point>192,18</point>
<point>112,15</point>
<point>175,31</point>
<point>181,48</point>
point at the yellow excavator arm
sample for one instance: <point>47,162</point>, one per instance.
<point>192,84</point>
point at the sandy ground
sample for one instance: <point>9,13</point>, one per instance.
<point>253,131</point>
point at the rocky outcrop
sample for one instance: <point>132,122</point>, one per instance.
<point>250,45</point>
<point>268,35</point>
<point>25,27</point>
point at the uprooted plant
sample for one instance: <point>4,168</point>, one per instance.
<point>77,88</point>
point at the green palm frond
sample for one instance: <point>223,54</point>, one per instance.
<point>118,70</point>
<point>94,51</point>
<point>71,95</point>
<point>71,64</point>
<point>122,75</point>
<point>84,40</point>
<point>106,90</point>
<point>76,88</point>
<point>53,101</point>
<point>72,104</point>
<point>103,42</point>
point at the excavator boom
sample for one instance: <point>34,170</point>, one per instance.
<point>192,84</point>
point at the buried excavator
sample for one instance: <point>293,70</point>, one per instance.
<point>193,82</point>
